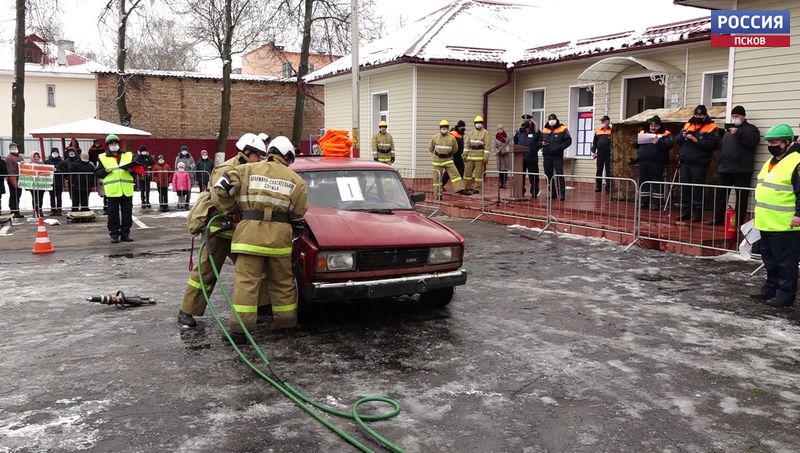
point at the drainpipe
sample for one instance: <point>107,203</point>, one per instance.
<point>509,72</point>
<point>303,90</point>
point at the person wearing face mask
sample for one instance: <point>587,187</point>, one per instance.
<point>735,164</point>
<point>651,158</point>
<point>477,146</point>
<point>188,161</point>
<point>530,137</point>
<point>383,145</point>
<point>162,175</point>
<point>458,132</point>
<point>205,167</point>
<point>555,139</point>
<point>442,147</point>
<point>601,152</point>
<point>69,165</point>
<point>777,217</point>
<point>81,180</point>
<point>146,161</point>
<point>58,181</point>
<point>13,160</point>
<point>117,169</point>
<point>698,140</point>
<point>37,195</point>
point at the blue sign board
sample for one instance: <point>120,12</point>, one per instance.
<point>750,22</point>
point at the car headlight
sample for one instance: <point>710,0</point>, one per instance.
<point>441,255</point>
<point>335,261</point>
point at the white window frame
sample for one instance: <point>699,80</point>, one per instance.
<point>377,113</point>
<point>527,104</point>
<point>622,104</point>
<point>574,110</point>
<point>707,87</point>
<point>47,92</point>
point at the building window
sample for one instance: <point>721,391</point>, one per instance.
<point>534,103</point>
<point>584,119</point>
<point>715,89</point>
<point>51,95</point>
<point>380,108</point>
<point>311,67</point>
<point>288,71</point>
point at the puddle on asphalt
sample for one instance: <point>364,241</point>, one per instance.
<point>653,278</point>
<point>148,254</point>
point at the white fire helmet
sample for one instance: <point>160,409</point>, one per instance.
<point>282,146</point>
<point>251,141</point>
<point>264,137</point>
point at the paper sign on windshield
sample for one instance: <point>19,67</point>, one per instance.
<point>349,188</point>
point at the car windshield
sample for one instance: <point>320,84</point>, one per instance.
<point>357,190</point>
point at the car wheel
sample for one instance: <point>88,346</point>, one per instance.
<point>437,298</point>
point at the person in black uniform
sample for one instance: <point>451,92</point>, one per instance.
<point>698,139</point>
<point>651,157</point>
<point>146,161</point>
<point>60,166</point>
<point>528,135</point>
<point>555,139</point>
<point>601,152</point>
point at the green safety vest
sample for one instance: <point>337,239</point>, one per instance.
<point>775,200</point>
<point>119,182</point>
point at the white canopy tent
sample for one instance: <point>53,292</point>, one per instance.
<point>90,128</point>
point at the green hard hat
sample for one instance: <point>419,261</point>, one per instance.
<point>780,132</point>
<point>112,138</point>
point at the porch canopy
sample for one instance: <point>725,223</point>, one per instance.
<point>88,128</point>
<point>608,68</point>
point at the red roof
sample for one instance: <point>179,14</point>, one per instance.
<point>316,163</point>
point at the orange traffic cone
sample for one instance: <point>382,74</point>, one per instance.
<point>42,244</point>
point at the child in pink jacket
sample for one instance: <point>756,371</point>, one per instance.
<point>182,184</point>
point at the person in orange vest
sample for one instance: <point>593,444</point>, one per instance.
<point>601,152</point>
<point>555,139</point>
<point>651,157</point>
<point>698,139</point>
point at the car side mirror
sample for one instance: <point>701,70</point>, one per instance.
<point>417,197</point>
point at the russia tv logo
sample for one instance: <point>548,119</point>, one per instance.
<point>750,28</point>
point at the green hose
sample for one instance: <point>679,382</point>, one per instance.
<point>296,396</point>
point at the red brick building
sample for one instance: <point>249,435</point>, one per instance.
<point>272,60</point>
<point>186,106</point>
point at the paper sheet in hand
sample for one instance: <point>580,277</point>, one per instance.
<point>751,234</point>
<point>647,138</point>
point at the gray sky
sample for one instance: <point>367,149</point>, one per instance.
<point>581,18</point>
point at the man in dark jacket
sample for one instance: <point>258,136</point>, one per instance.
<point>2,182</point>
<point>146,161</point>
<point>81,180</point>
<point>58,181</point>
<point>555,139</point>
<point>458,133</point>
<point>527,135</point>
<point>735,166</point>
<point>698,140</point>
<point>601,152</point>
<point>651,154</point>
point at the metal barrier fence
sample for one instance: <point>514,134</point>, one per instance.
<point>83,191</point>
<point>421,181</point>
<point>612,209</point>
<point>515,205</point>
<point>680,213</point>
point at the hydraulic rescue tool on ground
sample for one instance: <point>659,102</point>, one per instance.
<point>120,300</point>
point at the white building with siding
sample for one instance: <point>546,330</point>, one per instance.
<point>431,71</point>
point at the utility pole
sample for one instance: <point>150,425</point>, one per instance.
<point>355,67</point>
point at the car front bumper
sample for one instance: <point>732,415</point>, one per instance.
<point>389,287</point>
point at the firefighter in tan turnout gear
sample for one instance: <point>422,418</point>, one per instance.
<point>476,148</point>
<point>443,146</point>
<point>268,195</point>
<point>218,246</point>
<point>383,145</point>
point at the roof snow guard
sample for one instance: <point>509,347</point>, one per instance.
<point>479,33</point>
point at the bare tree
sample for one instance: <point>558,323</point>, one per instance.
<point>324,25</point>
<point>121,10</point>
<point>230,27</point>
<point>159,45</point>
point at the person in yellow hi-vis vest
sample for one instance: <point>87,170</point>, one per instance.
<point>218,246</point>
<point>383,145</point>
<point>268,195</point>
<point>476,148</point>
<point>116,168</point>
<point>777,217</point>
<point>443,146</point>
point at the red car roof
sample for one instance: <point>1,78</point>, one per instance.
<point>317,163</point>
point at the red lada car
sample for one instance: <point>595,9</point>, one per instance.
<point>362,239</point>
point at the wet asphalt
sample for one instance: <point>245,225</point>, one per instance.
<point>555,344</point>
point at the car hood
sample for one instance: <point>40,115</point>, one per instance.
<point>340,229</point>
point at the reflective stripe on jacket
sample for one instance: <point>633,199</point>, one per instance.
<point>383,147</point>
<point>775,198</point>
<point>477,144</point>
<point>119,182</point>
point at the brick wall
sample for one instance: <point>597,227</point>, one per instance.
<point>182,107</point>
